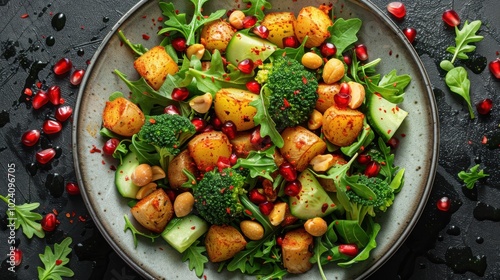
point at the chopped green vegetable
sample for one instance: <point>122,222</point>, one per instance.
<point>54,261</point>
<point>470,178</point>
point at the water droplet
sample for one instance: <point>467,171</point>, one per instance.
<point>440,237</point>
<point>55,184</point>
<point>461,260</point>
<point>80,52</point>
<point>484,211</point>
<point>105,19</point>
<point>50,41</point>
<point>58,21</point>
<point>4,118</point>
<point>479,240</point>
<point>453,230</point>
<point>32,168</point>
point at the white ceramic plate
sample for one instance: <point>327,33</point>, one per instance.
<point>417,152</point>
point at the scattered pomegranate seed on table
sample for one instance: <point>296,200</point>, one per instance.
<point>41,98</point>
<point>62,67</point>
<point>410,33</point>
<point>77,77</point>
<point>51,127</point>
<point>494,67</point>
<point>443,204</point>
<point>44,156</point>
<point>451,18</point>
<point>18,256</point>
<point>72,188</point>
<point>30,137</point>
<point>484,106</point>
<point>54,95</point>
<point>397,9</point>
<point>49,222</point>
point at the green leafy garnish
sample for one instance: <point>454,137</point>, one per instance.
<point>256,8</point>
<point>197,260</point>
<point>259,163</point>
<point>135,232</point>
<point>178,21</point>
<point>267,125</point>
<point>138,49</point>
<point>470,178</point>
<point>55,261</point>
<point>22,216</point>
<point>456,78</point>
<point>343,33</point>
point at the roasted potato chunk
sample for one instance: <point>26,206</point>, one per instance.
<point>280,25</point>
<point>216,35</point>
<point>180,162</point>
<point>154,211</point>
<point>223,242</point>
<point>300,146</point>
<point>232,104</point>
<point>297,249</point>
<point>155,65</point>
<point>313,23</point>
<point>207,147</point>
<point>122,117</point>
<point>342,126</point>
<point>242,145</point>
<point>325,96</point>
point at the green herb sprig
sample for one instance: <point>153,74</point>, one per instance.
<point>470,178</point>
<point>54,261</point>
<point>23,216</point>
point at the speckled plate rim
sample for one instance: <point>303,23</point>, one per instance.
<point>434,130</point>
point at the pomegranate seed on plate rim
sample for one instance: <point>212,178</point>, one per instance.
<point>410,33</point>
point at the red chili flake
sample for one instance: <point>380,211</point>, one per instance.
<point>103,162</point>
<point>403,135</point>
<point>82,27</point>
<point>228,78</point>
<point>389,131</point>
<point>160,19</point>
<point>73,214</point>
<point>28,92</point>
<point>94,150</point>
<point>248,212</point>
<point>469,142</point>
<point>39,84</point>
<point>484,141</point>
<point>160,248</point>
<point>70,221</point>
<point>145,36</point>
<point>329,258</point>
<point>58,262</point>
<point>287,104</point>
<point>144,16</point>
<point>55,212</point>
<point>68,215</point>
<point>112,167</point>
<point>394,84</point>
<point>152,121</point>
<point>304,80</point>
<point>228,210</point>
<point>24,15</point>
<point>193,227</point>
<point>62,101</point>
<point>81,219</point>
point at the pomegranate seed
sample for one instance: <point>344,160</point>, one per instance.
<point>266,207</point>
<point>342,99</point>
<point>179,44</point>
<point>484,106</point>
<point>229,128</point>
<point>77,77</point>
<point>256,197</point>
<point>246,66</point>
<point>290,42</point>
<point>494,67</point>
<point>199,124</point>
<point>51,127</point>
<point>72,188</point>
<point>261,31</point>
<point>63,66</point>
<point>279,241</point>
<point>443,204</point>
<point>397,9</point>
<point>44,156</point>
<point>171,194</point>
<point>345,88</point>
<point>110,146</point>
<point>216,123</point>
<point>249,21</point>
<point>208,128</point>
<point>364,159</point>
<point>233,159</point>
<point>49,222</point>
<point>451,18</point>
<point>63,113</point>
<point>393,142</point>
<point>288,171</point>
<point>54,95</point>
<point>222,163</point>
<point>410,33</point>
<point>41,98</point>
<point>18,256</point>
<point>347,60</point>
<point>350,250</point>
<point>30,137</point>
<point>328,49</point>
<point>361,52</point>
<point>253,86</point>
<point>28,92</point>
<point>293,188</point>
<point>172,110</point>
<point>372,169</point>
<point>180,94</point>
<point>255,137</point>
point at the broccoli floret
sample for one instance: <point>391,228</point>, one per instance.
<point>167,133</point>
<point>217,196</point>
<point>360,205</point>
<point>292,89</point>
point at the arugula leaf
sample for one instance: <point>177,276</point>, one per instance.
<point>259,163</point>
<point>55,261</point>
<point>256,8</point>
<point>319,249</point>
<point>267,125</point>
<point>470,178</point>
<point>138,49</point>
<point>374,228</point>
<point>459,83</point>
<point>144,95</point>
<point>135,232</point>
<point>363,140</point>
<point>178,22</point>
<point>351,232</point>
<point>197,260</point>
<point>22,216</point>
<point>343,33</point>
<point>294,53</point>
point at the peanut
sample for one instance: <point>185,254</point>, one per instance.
<point>146,190</point>
<point>322,162</point>
<point>201,103</point>
<point>311,60</point>
<point>316,226</point>
<point>197,50</point>
<point>357,95</point>
<point>183,204</point>
<point>252,230</point>
<point>158,173</point>
<point>333,71</point>
<point>236,19</point>
<point>277,215</point>
<point>142,175</point>
<point>315,120</point>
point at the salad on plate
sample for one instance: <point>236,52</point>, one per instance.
<point>260,141</point>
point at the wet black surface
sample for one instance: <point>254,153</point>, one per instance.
<point>459,244</point>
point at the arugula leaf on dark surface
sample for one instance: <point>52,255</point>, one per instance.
<point>344,33</point>
<point>472,176</point>
<point>178,21</point>
<point>54,261</point>
<point>262,118</point>
<point>459,83</point>
<point>256,8</point>
<point>135,232</point>
<point>22,216</point>
<point>197,260</point>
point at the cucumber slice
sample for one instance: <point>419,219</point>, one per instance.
<point>122,176</point>
<point>312,201</point>
<point>243,47</point>
<point>180,233</point>
<point>384,117</point>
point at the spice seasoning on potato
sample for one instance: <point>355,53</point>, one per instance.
<point>312,23</point>
<point>223,242</point>
<point>123,117</point>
